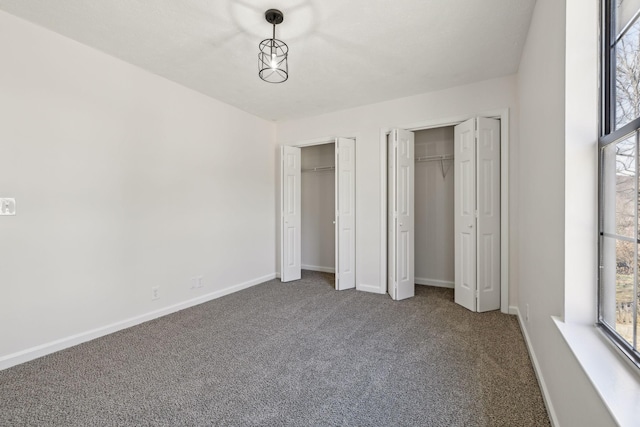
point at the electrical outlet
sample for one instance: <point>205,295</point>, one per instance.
<point>526,312</point>
<point>196,282</point>
<point>155,293</point>
<point>7,206</point>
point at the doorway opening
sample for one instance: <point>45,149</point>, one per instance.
<point>422,167</point>
<point>307,209</point>
<point>318,177</point>
<point>434,207</point>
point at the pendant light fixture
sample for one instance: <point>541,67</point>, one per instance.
<point>272,59</point>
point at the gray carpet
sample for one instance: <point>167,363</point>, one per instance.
<point>297,354</point>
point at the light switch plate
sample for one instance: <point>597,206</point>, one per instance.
<point>7,206</point>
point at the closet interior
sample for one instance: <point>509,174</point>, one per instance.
<point>318,188</point>
<point>434,207</point>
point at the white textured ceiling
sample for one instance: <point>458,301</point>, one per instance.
<point>342,53</point>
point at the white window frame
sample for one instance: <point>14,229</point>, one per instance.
<point>609,135</point>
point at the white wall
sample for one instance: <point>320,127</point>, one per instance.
<point>123,181</point>
<point>556,199</point>
<point>434,209</point>
<point>318,209</point>
<point>366,124</point>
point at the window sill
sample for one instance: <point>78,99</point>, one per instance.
<point>612,375</point>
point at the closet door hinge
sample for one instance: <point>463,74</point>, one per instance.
<point>476,294</point>
<point>477,214</point>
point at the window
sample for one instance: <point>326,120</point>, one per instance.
<point>619,182</point>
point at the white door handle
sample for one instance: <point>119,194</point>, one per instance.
<point>470,225</point>
<point>334,222</point>
<point>400,224</point>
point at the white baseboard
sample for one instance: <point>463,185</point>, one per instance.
<point>434,282</point>
<point>318,268</point>
<point>370,288</point>
<point>73,340</point>
<point>536,368</point>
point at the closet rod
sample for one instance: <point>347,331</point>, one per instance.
<point>320,169</point>
<point>434,158</point>
<point>440,158</point>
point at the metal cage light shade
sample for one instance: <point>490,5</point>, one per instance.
<point>272,59</point>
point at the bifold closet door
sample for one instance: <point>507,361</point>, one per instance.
<point>400,225</point>
<point>345,213</point>
<point>477,214</point>
<point>290,249</point>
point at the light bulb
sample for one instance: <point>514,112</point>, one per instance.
<point>274,61</point>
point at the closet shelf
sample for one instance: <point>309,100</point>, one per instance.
<point>320,169</point>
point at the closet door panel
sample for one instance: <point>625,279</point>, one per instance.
<point>404,219</point>
<point>465,214</point>
<point>488,154</point>
<point>392,220</point>
<point>290,238</point>
<point>345,214</point>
